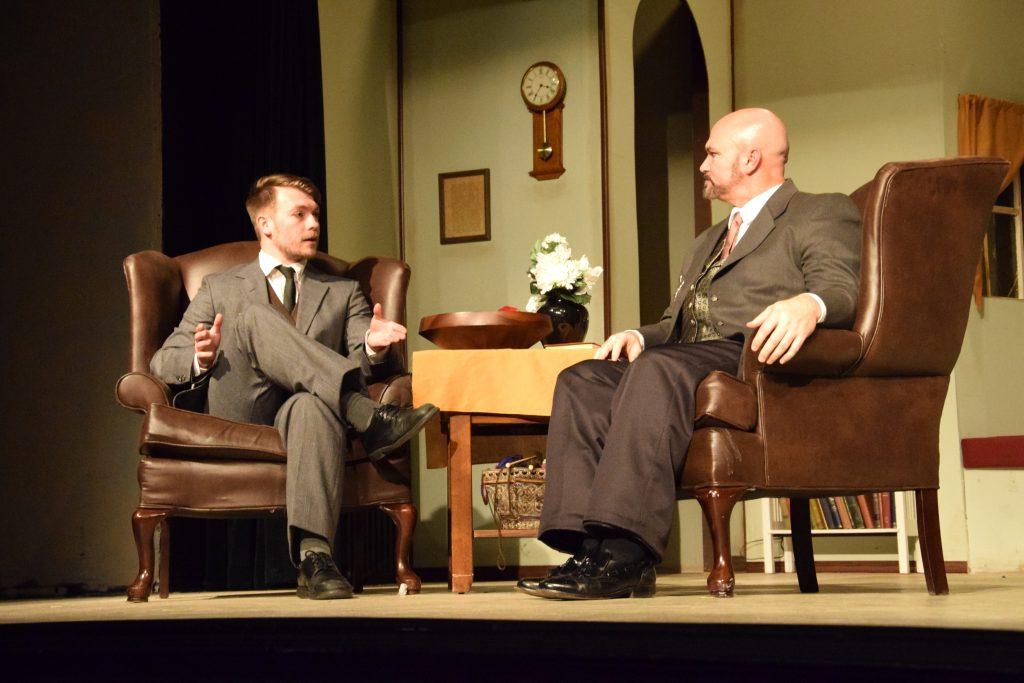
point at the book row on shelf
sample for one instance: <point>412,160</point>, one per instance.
<point>866,511</point>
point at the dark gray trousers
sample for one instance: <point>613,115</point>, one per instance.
<point>617,441</point>
<point>270,373</point>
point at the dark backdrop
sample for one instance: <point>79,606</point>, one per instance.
<point>242,97</point>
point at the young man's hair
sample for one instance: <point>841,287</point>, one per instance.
<point>262,193</point>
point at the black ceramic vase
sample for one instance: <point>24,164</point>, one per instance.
<point>569,320</point>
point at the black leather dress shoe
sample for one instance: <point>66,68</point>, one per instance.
<point>531,586</point>
<point>319,578</point>
<point>392,426</point>
<point>601,576</point>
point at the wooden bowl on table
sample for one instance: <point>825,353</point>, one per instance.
<point>485,329</point>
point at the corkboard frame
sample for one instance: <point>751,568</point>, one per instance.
<point>464,202</point>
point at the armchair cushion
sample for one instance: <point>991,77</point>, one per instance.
<point>724,400</point>
<point>174,433</point>
<point>169,432</point>
<point>202,486</point>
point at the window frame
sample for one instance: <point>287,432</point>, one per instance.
<point>1018,236</point>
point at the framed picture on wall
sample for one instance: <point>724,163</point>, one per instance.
<point>465,203</point>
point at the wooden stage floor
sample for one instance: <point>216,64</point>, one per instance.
<point>877,625</point>
<point>976,601</point>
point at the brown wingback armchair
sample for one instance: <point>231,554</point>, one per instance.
<point>855,411</point>
<point>201,466</point>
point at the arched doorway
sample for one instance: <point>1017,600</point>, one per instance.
<point>671,126</point>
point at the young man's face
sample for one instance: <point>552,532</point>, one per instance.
<point>293,224</point>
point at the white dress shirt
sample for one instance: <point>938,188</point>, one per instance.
<point>269,264</point>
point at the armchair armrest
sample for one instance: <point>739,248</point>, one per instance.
<point>725,401</point>
<point>395,390</point>
<point>139,390</point>
<point>826,353</point>
<point>175,433</point>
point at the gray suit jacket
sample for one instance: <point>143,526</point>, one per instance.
<point>332,311</point>
<point>799,243</point>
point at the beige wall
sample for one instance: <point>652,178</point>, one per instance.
<point>890,104</point>
<point>82,190</point>
<point>984,54</point>
<point>69,464</point>
<point>663,149</point>
<point>620,18</point>
<point>850,107</point>
<point>463,64</point>
<point>990,377</point>
<point>358,53</point>
<point>878,82</point>
<point>712,20</point>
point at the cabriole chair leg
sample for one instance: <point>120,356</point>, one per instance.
<point>404,517</point>
<point>144,523</point>
<point>717,504</point>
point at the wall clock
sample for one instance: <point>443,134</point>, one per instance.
<point>543,91</point>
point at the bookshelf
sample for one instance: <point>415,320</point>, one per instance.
<point>771,521</point>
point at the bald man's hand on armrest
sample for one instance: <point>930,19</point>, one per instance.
<point>783,327</point>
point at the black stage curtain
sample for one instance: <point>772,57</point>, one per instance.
<point>242,97</point>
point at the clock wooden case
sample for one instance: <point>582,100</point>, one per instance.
<point>543,91</point>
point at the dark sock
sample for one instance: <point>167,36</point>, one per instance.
<point>625,549</point>
<point>358,409</point>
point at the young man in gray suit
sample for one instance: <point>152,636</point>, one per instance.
<point>783,263</point>
<point>277,341</point>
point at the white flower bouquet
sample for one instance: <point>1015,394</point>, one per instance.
<point>554,273</point>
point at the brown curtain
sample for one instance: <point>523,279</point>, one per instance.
<point>990,127</point>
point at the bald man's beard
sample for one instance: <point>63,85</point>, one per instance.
<point>715,191</point>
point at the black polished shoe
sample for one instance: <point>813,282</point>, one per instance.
<point>531,586</point>
<point>392,426</point>
<point>602,576</point>
<point>319,578</point>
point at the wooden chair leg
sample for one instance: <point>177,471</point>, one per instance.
<point>930,538</point>
<point>165,557</point>
<point>404,517</point>
<point>717,504</point>
<point>803,551</point>
<point>358,562</point>
<point>144,523</point>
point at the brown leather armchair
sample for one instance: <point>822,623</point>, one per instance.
<point>855,411</point>
<point>197,465</point>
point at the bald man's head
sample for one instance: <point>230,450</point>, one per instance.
<point>746,154</point>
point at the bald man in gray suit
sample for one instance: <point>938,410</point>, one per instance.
<point>783,263</point>
<point>278,342</point>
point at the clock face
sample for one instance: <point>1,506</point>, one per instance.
<point>543,85</point>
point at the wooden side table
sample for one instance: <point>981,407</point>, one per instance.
<point>468,439</point>
<point>494,403</point>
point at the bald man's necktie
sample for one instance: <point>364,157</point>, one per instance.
<point>730,237</point>
<point>289,287</point>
